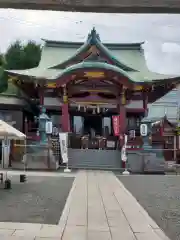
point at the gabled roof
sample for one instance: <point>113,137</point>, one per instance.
<point>94,40</point>
<point>127,57</point>
<point>76,45</point>
<point>166,106</point>
<point>94,65</point>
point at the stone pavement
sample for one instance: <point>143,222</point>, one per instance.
<point>98,207</point>
<point>37,173</point>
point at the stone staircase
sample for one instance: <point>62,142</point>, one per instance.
<point>94,159</point>
<point>111,160</point>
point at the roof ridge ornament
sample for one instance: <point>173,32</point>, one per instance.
<point>93,35</point>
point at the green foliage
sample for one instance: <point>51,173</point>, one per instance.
<point>32,55</point>
<point>14,56</point>
<point>18,57</point>
<point>3,80</point>
<point>2,60</point>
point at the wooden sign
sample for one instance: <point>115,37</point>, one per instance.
<point>51,85</point>
<point>94,74</point>
<point>116,126</point>
<point>138,88</point>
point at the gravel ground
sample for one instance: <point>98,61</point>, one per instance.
<point>39,200</point>
<point>160,196</point>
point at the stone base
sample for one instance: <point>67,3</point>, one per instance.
<point>152,163</point>
<point>39,159</point>
<point>67,170</point>
<point>126,172</point>
<point>145,162</point>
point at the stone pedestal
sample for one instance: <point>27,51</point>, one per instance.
<point>152,158</point>
<point>40,157</point>
<point>152,162</point>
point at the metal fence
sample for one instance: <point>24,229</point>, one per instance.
<point>31,156</point>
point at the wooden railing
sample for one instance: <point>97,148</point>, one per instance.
<point>100,142</point>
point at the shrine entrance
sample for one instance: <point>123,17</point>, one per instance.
<point>93,125</point>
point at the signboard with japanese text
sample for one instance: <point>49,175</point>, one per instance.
<point>116,126</point>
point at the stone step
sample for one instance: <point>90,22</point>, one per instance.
<point>94,159</point>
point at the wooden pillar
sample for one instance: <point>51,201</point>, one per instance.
<point>41,97</point>
<point>26,127</point>
<point>65,120</point>
<point>122,124</point>
<point>145,103</point>
<point>122,121</point>
<point>175,147</point>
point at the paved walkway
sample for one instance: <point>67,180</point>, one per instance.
<point>101,208</point>
<point>98,207</point>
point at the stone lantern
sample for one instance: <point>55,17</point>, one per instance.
<point>152,158</point>
<point>146,133</point>
<point>43,119</point>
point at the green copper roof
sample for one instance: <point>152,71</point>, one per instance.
<point>94,40</point>
<point>129,58</point>
<point>37,73</point>
<point>116,46</point>
<point>94,65</point>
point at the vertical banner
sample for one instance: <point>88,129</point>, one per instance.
<point>123,150</point>
<point>63,139</point>
<point>125,140</point>
<point>116,126</point>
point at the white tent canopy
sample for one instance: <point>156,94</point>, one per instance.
<point>9,132</point>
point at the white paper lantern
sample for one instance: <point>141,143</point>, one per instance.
<point>143,130</point>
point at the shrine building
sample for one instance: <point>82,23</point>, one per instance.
<point>83,86</point>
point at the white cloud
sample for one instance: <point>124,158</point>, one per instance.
<point>161,32</point>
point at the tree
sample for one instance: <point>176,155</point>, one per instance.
<point>14,56</point>
<point>32,55</point>
<point>2,60</point>
<point>18,57</point>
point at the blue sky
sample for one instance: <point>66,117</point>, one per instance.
<point>161,33</point>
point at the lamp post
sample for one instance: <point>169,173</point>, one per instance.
<point>146,132</point>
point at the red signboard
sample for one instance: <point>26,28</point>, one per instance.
<point>116,126</point>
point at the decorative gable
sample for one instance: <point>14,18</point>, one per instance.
<point>95,50</point>
<point>96,57</point>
